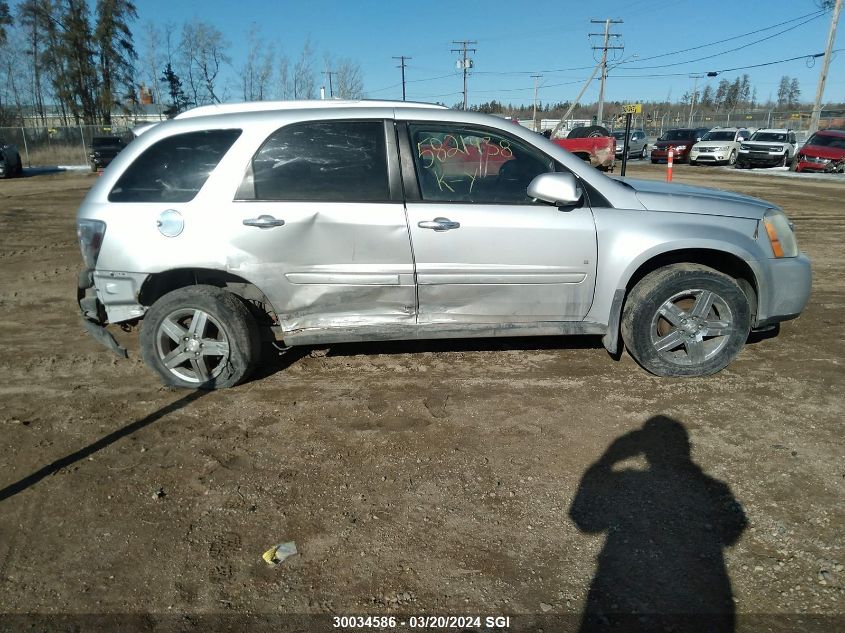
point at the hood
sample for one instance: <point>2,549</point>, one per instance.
<point>662,196</point>
<point>687,142</point>
<point>820,151</point>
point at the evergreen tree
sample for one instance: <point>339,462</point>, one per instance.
<point>178,101</point>
<point>115,51</point>
<point>5,20</point>
<point>78,82</point>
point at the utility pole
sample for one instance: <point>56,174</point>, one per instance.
<point>464,63</point>
<point>534,118</point>
<point>831,36</point>
<point>694,95</point>
<point>401,65</point>
<point>604,48</point>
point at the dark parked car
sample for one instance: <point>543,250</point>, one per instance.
<point>103,151</point>
<point>823,151</point>
<point>680,140</point>
<point>10,161</point>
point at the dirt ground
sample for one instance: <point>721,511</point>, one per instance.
<point>420,478</point>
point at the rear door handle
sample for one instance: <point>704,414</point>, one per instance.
<point>264,222</point>
<point>439,224</point>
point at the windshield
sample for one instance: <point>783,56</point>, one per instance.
<point>719,136</point>
<point>678,135</point>
<point>779,137</point>
<point>106,141</point>
<point>824,140</point>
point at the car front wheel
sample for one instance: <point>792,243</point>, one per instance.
<point>200,337</point>
<point>685,320</point>
<point>732,158</point>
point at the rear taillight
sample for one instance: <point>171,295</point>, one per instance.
<point>90,234</point>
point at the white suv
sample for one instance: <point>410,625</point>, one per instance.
<point>720,146</point>
<point>767,148</point>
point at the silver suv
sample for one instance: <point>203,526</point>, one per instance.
<point>325,222</point>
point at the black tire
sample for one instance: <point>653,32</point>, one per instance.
<point>680,293</point>
<point>589,131</point>
<point>643,154</point>
<point>784,162</point>
<point>231,329</point>
<point>793,166</point>
<point>19,168</point>
<point>654,161</point>
<point>692,162</point>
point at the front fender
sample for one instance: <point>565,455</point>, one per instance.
<point>630,239</point>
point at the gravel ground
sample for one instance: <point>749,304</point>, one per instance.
<point>502,477</point>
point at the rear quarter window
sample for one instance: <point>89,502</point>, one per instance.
<point>175,168</point>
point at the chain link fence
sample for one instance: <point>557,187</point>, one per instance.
<point>57,146</point>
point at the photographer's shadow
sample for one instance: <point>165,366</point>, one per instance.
<point>662,566</point>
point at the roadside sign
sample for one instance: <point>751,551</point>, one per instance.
<point>632,108</point>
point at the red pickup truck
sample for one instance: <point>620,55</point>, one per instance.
<point>593,144</point>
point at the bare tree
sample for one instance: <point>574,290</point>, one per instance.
<point>152,58</point>
<point>203,53</point>
<point>347,81</point>
<point>284,86</point>
<point>258,68</point>
<point>304,84</point>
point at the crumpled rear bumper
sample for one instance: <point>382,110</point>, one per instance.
<point>94,315</point>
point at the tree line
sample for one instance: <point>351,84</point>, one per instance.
<point>81,59</point>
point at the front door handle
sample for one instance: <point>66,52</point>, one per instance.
<point>439,224</point>
<point>264,222</point>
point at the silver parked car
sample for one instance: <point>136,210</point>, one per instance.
<point>324,222</point>
<point>637,144</point>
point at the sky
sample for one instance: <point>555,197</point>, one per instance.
<point>515,40</point>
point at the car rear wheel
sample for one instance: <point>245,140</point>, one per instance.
<point>200,337</point>
<point>685,320</point>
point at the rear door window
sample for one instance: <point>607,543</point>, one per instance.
<point>323,161</point>
<point>175,168</point>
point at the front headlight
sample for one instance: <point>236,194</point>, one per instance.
<point>680,148</point>
<point>745,147</point>
<point>780,234</point>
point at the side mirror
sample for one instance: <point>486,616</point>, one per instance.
<point>559,189</point>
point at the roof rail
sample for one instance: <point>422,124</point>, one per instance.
<point>266,106</point>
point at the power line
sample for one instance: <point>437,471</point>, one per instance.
<point>735,37</point>
<point>728,70</point>
<point>731,50</point>
<point>669,54</point>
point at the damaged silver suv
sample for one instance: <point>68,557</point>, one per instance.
<point>325,222</point>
